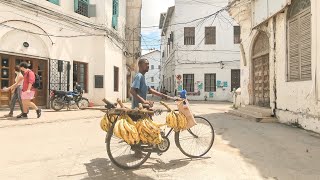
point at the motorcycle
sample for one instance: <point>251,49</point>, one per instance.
<point>60,99</point>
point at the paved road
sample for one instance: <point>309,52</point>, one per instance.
<point>74,149</point>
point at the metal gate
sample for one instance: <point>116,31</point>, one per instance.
<point>59,75</point>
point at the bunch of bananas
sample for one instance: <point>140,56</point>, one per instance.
<point>106,122</point>
<point>149,131</point>
<point>126,129</point>
<point>177,121</point>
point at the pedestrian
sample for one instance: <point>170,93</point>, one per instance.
<point>139,88</point>
<point>28,92</point>
<point>16,91</point>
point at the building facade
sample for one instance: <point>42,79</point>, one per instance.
<point>200,50</point>
<point>280,58</point>
<point>133,39</point>
<point>65,42</point>
<point>153,76</point>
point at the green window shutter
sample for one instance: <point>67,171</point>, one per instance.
<point>55,2</point>
<point>115,14</point>
<point>76,5</point>
<point>115,21</point>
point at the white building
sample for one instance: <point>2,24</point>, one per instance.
<point>280,58</point>
<point>66,41</point>
<point>153,76</point>
<point>200,50</point>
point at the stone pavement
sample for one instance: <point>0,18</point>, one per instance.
<point>75,149</point>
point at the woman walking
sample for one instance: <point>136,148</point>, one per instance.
<point>28,91</point>
<point>16,90</point>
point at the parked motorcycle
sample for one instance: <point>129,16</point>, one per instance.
<point>61,99</point>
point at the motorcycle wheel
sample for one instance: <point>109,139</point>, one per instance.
<point>83,103</point>
<point>57,104</point>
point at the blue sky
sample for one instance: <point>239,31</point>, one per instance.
<point>151,10</point>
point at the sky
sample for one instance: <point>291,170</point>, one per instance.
<point>151,10</point>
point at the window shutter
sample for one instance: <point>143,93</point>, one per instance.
<point>305,46</point>
<point>210,35</point>
<point>294,64</point>
<point>55,2</point>
<point>76,5</point>
<point>115,14</point>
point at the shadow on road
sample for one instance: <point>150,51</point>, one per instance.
<point>102,168</point>
<point>276,150</point>
<point>161,166</point>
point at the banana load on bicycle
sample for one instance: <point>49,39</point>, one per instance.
<point>132,135</point>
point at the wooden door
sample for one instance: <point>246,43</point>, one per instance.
<point>261,81</point>
<point>39,67</point>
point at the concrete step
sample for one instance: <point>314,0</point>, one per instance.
<point>251,116</point>
<point>264,112</point>
<point>255,113</point>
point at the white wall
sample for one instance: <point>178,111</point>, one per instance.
<point>186,58</point>
<point>293,102</point>
<point>154,60</point>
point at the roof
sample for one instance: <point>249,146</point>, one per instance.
<point>162,18</point>
<point>151,52</point>
<point>166,20</point>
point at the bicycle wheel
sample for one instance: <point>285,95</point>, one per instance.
<point>124,155</point>
<point>197,141</point>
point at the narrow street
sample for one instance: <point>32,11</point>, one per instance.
<point>75,149</point>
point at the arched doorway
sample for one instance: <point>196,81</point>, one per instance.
<point>260,69</point>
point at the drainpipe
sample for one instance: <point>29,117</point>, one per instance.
<point>274,61</point>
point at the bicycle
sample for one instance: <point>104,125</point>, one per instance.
<point>133,156</point>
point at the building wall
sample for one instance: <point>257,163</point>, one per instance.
<point>201,58</point>
<point>133,32</point>
<point>292,102</point>
<point>101,53</point>
<point>154,60</point>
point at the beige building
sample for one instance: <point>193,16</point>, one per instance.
<point>280,59</point>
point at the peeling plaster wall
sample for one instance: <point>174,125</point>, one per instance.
<point>293,102</point>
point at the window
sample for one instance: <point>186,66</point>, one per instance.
<point>188,82</point>
<point>152,66</point>
<point>152,79</point>
<point>81,7</point>
<point>115,13</point>
<point>116,79</point>
<point>299,41</point>
<point>80,74</point>
<point>98,81</point>
<point>235,79</point>
<point>210,82</point>
<point>163,54</point>
<point>210,35</point>
<point>159,67</point>
<point>236,34</point>
<point>54,1</point>
<point>189,36</point>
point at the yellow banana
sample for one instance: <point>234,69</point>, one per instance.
<point>153,128</point>
<point>116,130</point>
<point>128,118</point>
<point>145,127</point>
<point>128,127</point>
<point>143,138</point>
<point>131,139</point>
<point>102,123</point>
<point>123,131</point>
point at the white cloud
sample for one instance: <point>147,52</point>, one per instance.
<point>151,10</point>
